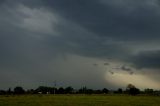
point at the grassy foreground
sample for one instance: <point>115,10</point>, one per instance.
<point>79,100</point>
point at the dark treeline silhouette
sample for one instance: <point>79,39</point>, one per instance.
<point>130,89</point>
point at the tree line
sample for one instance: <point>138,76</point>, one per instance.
<point>130,89</point>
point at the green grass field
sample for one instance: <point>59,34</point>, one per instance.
<point>79,100</point>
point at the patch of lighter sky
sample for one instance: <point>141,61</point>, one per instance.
<point>141,81</point>
<point>38,20</point>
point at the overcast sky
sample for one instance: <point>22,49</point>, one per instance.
<point>93,43</point>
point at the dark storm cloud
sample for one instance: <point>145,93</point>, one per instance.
<point>126,68</point>
<point>117,21</point>
<point>136,21</point>
<point>111,72</point>
<point>131,73</point>
<point>34,33</point>
<point>95,64</point>
<point>147,59</point>
<point>106,64</point>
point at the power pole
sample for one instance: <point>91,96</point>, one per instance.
<point>55,84</point>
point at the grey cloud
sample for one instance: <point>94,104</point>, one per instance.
<point>117,68</point>
<point>85,28</point>
<point>30,58</point>
<point>147,59</point>
<point>111,72</point>
<point>131,73</point>
<point>106,64</point>
<point>110,21</point>
<point>126,68</point>
<point>95,64</point>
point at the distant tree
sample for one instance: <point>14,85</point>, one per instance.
<point>83,90</point>
<point>120,90</point>
<point>132,90</point>
<point>98,91</point>
<point>46,90</point>
<point>3,92</point>
<point>19,90</point>
<point>42,90</point>
<point>89,91</point>
<point>129,86</point>
<point>105,90</point>
<point>61,90</point>
<point>148,91</point>
<point>31,91</point>
<point>69,90</point>
<point>9,91</point>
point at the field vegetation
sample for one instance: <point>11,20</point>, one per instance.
<point>78,100</point>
